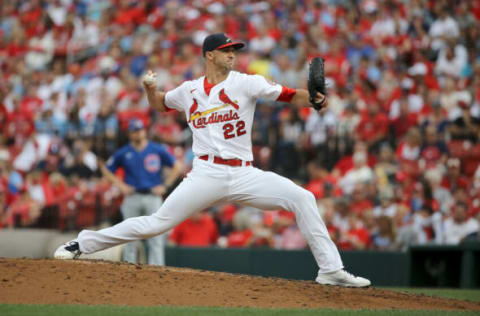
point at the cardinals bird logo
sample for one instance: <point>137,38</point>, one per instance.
<point>193,110</point>
<point>194,114</point>
<point>225,99</point>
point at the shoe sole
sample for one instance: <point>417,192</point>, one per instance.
<point>341,284</point>
<point>60,257</point>
<point>65,256</point>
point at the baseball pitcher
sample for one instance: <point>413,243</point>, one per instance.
<point>219,108</point>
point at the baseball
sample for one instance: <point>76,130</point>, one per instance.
<point>150,79</point>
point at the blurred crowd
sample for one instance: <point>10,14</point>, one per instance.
<point>393,162</point>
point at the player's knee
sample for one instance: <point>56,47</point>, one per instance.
<point>160,224</point>
<point>309,197</point>
<point>303,196</point>
<point>145,226</point>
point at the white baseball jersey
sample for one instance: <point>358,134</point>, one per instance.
<point>221,118</point>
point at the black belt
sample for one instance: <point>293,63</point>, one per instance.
<point>143,191</point>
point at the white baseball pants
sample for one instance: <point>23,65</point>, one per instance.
<point>209,184</point>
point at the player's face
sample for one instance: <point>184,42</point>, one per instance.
<point>138,136</point>
<point>224,58</point>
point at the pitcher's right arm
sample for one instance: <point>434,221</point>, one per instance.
<point>156,98</point>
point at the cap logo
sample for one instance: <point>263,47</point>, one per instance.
<point>228,40</point>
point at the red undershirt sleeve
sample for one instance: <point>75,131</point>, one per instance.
<point>167,109</point>
<point>286,95</point>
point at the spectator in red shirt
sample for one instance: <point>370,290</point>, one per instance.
<point>134,111</point>
<point>24,211</point>
<point>30,18</point>
<point>454,178</point>
<point>373,128</point>
<point>17,46</point>
<point>434,150</point>
<point>199,230</point>
<point>19,121</point>
<point>336,63</point>
<point>167,130</point>
<point>357,237</point>
<point>359,175</point>
<point>129,12</point>
<point>346,163</point>
<point>405,120</point>
<point>319,180</point>
<point>239,238</point>
<point>408,151</point>
<point>360,203</point>
<point>249,233</point>
<point>55,189</point>
<point>334,231</point>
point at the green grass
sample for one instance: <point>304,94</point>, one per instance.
<point>77,310</point>
<point>469,295</point>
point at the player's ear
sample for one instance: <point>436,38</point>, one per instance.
<point>209,55</point>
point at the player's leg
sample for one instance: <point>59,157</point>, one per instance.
<point>196,192</point>
<point>131,207</point>
<point>267,190</point>
<point>155,245</point>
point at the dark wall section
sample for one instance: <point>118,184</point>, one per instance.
<point>383,268</point>
<point>445,266</point>
<point>425,266</point>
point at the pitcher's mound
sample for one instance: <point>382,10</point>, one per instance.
<point>99,282</point>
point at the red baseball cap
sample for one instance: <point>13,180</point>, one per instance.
<point>219,41</point>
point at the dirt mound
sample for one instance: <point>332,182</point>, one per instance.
<point>99,282</point>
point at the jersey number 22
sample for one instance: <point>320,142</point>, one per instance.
<point>228,129</point>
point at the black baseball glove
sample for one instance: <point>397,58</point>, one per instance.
<point>316,82</point>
